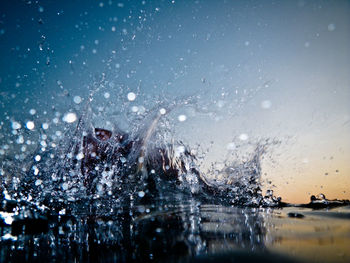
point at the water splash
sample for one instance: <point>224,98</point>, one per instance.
<point>95,164</point>
<point>133,196</point>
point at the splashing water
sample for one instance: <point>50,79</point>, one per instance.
<point>105,193</point>
<point>99,164</point>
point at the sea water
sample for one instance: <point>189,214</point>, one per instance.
<point>183,232</point>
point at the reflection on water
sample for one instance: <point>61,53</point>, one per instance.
<point>320,236</point>
<point>176,232</point>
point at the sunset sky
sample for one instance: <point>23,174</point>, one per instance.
<point>258,69</point>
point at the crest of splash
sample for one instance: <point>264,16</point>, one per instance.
<point>239,180</point>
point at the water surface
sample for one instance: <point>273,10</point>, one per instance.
<point>188,232</point>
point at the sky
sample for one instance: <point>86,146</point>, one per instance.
<point>277,70</point>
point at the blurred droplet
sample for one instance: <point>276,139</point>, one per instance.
<point>70,117</point>
<point>77,99</point>
<point>45,126</point>
<point>266,104</point>
<point>230,146</point>
<point>331,27</point>
<point>243,137</point>
<point>16,125</point>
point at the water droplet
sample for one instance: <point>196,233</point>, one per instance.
<point>80,156</point>
<point>131,96</point>
<point>45,126</point>
<point>266,104</point>
<point>32,111</point>
<point>106,95</point>
<point>30,125</point>
<point>243,137</point>
<point>38,182</point>
<point>162,111</point>
<point>331,27</point>
<point>16,125</point>
<point>230,146</point>
<point>7,217</point>
<point>77,99</point>
<point>20,139</point>
<point>63,211</point>
<point>37,158</point>
<point>70,117</point>
<point>142,110</point>
<point>64,186</point>
<point>36,170</point>
<point>182,117</point>
<point>141,194</point>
